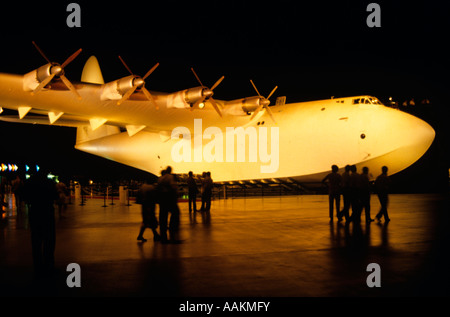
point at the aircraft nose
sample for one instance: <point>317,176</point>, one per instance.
<point>425,134</point>
<point>410,137</point>
<point>417,133</point>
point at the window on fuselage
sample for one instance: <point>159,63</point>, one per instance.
<point>367,101</point>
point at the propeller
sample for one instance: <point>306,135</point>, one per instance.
<point>138,83</point>
<point>207,93</point>
<point>264,102</point>
<point>57,70</point>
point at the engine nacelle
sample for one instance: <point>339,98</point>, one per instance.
<point>32,79</point>
<point>193,95</point>
<point>250,104</point>
<point>242,106</point>
<point>125,84</point>
<point>115,90</point>
<point>43,72</point>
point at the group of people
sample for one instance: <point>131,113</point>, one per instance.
<point>206,192</point>
<point>165,193</point>
<point>356,190</point>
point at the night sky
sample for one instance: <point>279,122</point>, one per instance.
<point>311,51</point>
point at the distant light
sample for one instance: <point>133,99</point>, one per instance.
<point>201,105</point>
<point>91,182</point>
<point>1,109</point>
<point>27,176</point>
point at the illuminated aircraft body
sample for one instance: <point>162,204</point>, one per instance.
<point>190,131</point>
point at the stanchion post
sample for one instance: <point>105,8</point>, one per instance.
<point>112,197</point>
<point>82,197</point>
<point>104,198</point>
<point>128,196</point>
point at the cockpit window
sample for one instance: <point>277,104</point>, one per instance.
<point>367,101</point>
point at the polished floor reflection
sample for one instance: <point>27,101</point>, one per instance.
<point>271,246</point>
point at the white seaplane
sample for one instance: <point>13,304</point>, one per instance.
<point>235,140</point>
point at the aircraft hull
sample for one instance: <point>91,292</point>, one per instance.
<point>311,137</point>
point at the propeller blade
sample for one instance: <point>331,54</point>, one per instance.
<point>272,92</point>
<point>71,58</point>
<point>212,101</point>
<point>150,71</point>
<point>69,85</point>
<point>198,79</point>
<point>256,111</point>
<point>270,113</point>
<point>43,83</point>
<point>217,83</point>
<point>126,66</point>
<point>255,88</point>
<point>127,95</point>
<point>41,52</point>
<point>150,97</point>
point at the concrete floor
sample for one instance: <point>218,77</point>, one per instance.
<point>255,247</point>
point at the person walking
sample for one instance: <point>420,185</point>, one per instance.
<point>147,198</point>
<point>382,184</point>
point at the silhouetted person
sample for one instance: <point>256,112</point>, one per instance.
<point>346,194</point>
<point>40,194</point>
<point>365,193</point>
<point>334,181</point>
<point>168,202</point>
<point>193,191</point>
<point>17,189</point>
<point>202,188</point>
<point>3,185</point>
<point>354,187</point>
<point>382,184</point>
<point>63,193</point>
<point>207,187</point>
<point>147,197</point>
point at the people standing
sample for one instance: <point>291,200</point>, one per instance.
<point>334,181</point>
<point>345,212</point>
<point>365,193</point>
<point>17,189</point>
<point>354,189</point>
<point>40,194</point>
<point>382,184</point>
<point>207,187</point>
<point>192,191</point>
<point>62,201</point>
<point>168,204</point>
